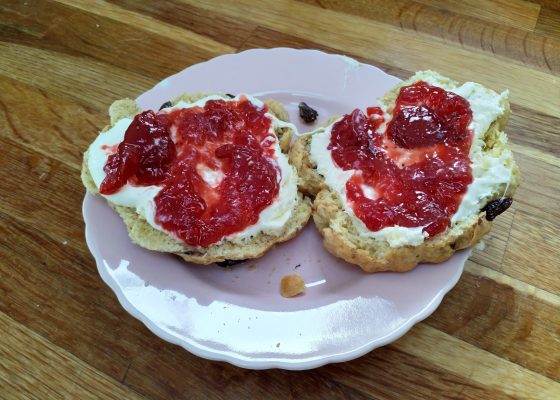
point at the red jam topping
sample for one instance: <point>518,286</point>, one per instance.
<point>145,154</point>
<point>418,167</point>
<point>176,149</point>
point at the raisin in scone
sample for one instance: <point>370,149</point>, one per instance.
<point>206,177</point>
<point>413,180</point>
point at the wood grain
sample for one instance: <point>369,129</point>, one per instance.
<point>515,13</point>
<point>505,317</point>
<point>224,30</point>
<point>64,335</point>
<point>33,368</point>
<point>55,73</point>
<point>548,23</point>
<point>530,88</point>
<point>113,37</point>
<point>539,242</point>
<point>445,22</point>
<point>490,371</point>
<point>71,127</point>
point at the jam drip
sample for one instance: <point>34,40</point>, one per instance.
<point>229,141</point>
<point>416,171</point>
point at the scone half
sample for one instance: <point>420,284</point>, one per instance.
<point>495,177</point>
<point>280,221</point>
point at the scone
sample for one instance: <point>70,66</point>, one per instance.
<point>206,177</point>
<point>413,180</point>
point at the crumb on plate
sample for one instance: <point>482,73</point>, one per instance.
<point>291,285</point>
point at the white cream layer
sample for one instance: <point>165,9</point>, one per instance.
<point>490,171</point>
<point>271,220</point>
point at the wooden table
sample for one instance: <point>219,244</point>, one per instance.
<point>63,333</point>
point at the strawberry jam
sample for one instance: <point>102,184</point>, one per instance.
<point>216,166</point>
<point>144,155</point>
<point>413,173</point>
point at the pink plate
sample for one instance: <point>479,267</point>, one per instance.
<point>238,316</point>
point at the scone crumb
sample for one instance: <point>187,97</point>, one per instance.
<point>291,285</point>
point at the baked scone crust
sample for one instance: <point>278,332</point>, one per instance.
<point>341,238</point>
<point>146,236</point>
